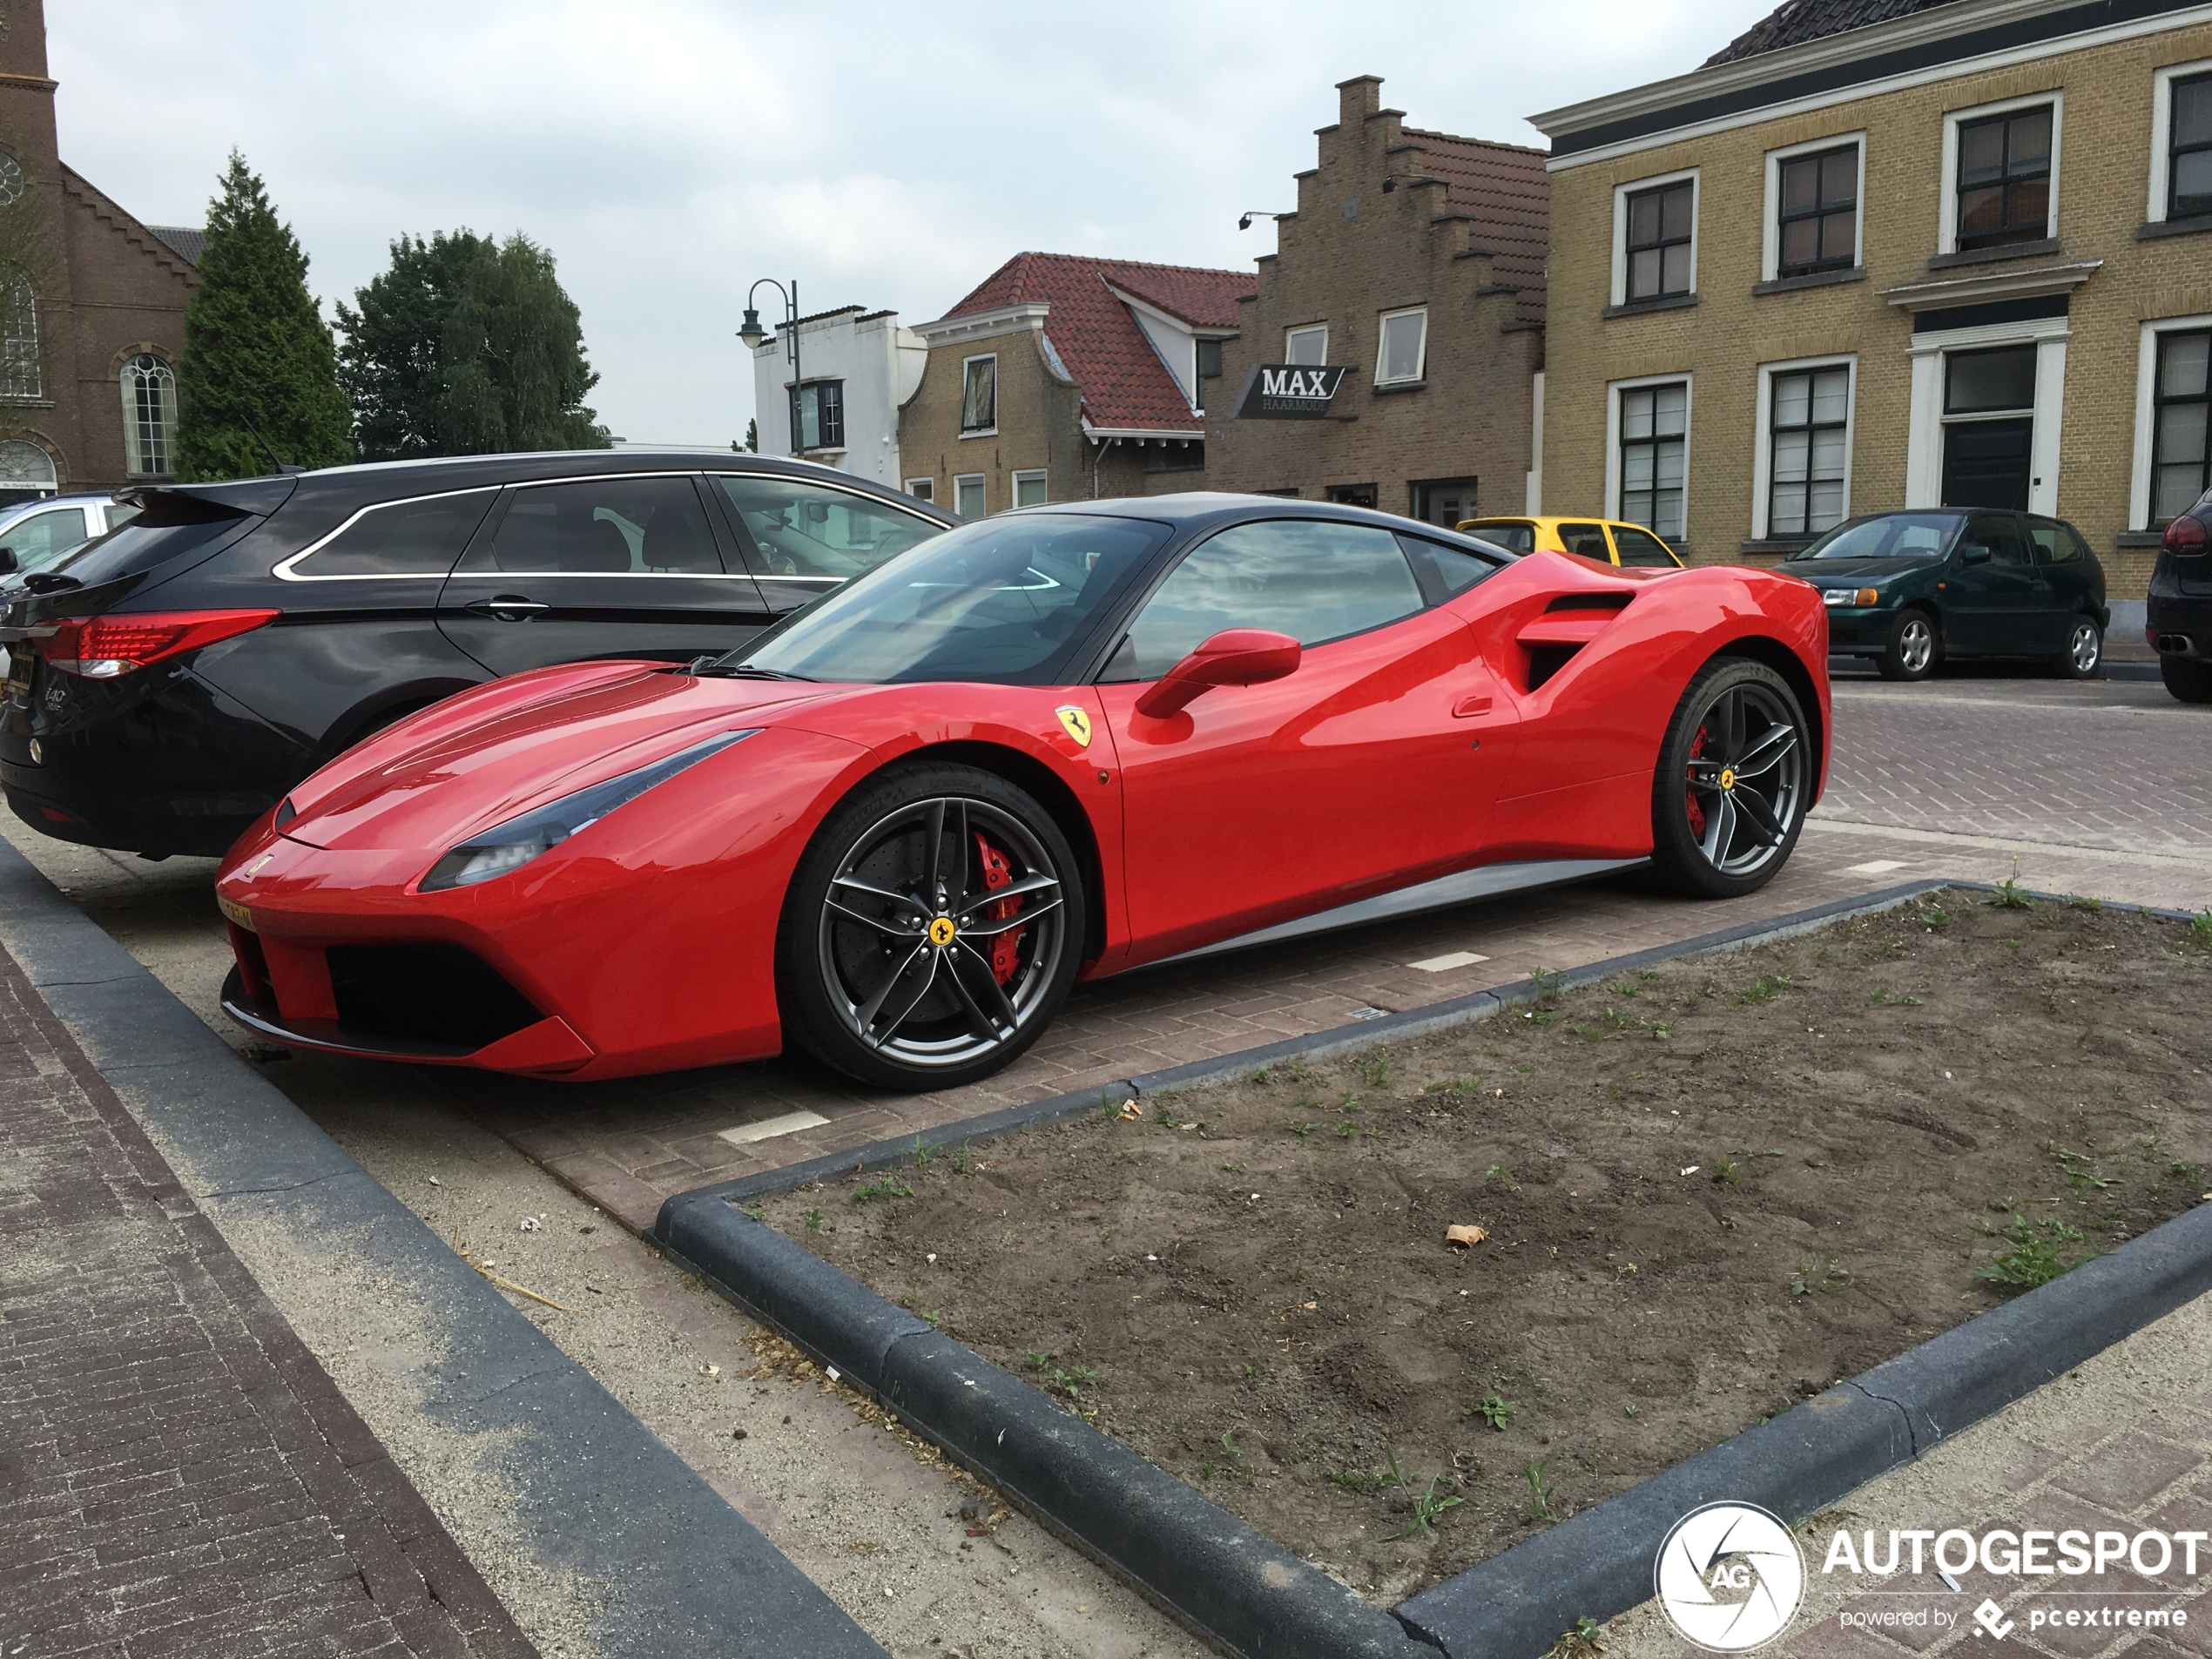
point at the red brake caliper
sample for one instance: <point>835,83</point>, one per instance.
<point>1697,812</point>
<point>1006,947</point>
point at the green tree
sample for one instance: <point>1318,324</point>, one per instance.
<point>467,346</point>
<point>257,355</point>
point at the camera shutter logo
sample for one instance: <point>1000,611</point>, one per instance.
<point>1729,1576</point>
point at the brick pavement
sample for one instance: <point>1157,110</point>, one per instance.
<point>177,1474</point>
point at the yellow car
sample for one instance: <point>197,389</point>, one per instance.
<point>1603,539</point>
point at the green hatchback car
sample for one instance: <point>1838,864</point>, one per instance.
<point>1912,587</point>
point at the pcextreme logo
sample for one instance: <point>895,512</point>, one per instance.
<point>1729,1576</point>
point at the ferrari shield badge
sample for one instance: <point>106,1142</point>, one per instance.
<point>1077,723</point>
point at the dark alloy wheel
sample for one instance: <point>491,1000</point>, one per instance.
<point>2189,682</point>
<point>932,930</point>
<point>1912,650</point>
<point>1733,779</point>
<point>2085,650</point>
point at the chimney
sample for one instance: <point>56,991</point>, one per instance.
<point>1357,99</point>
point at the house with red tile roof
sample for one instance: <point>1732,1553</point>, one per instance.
<point>1065,377</point>
<point>1415,262</point>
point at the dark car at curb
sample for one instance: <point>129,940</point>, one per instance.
<point>2178,616</point>
<point>1911,588</point>
<point>171,680</point>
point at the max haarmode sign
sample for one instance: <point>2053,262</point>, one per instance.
<point>1289,392</point>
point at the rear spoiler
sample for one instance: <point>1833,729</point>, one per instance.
<point>161,504</point>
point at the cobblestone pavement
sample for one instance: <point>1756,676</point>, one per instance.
<point>2103,788</point>
<point>177,1474</point>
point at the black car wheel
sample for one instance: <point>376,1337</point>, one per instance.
<point>1913,647</point>
<point>2189,682</point>
<point>932,930</point>
<point>2085,650</point>
<point>1734,778</point>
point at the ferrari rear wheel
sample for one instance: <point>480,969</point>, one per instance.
<point>932,930</point>
<point>1734,780</point>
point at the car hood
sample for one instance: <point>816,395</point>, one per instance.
<point>479,759</point>
<point>1835,572</point>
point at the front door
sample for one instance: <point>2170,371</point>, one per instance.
<point>1993,604</point>
<point>625,566</point>
<point>1986,464</point>
<point>1373,765</point>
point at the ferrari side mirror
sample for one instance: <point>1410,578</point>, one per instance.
<point>1233,656</point>
<point>1973,553</point>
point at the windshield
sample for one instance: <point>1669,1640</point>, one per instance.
<point>1890,536</point>
<point>1008,602</point>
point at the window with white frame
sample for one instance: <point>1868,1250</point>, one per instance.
<point>1654,456</point>
<point>2180,433</point>
<point>979,395</point>
<point>1815,211</point>
<point>149,417</point>
<point>967,494</point>
<point>1307,346</point>
<point>1656,232</point>
<point>1401,352</point>
<point>1029,489</point>
<point>923,489</point>
<point>2001,173</point>
<point>1807,440</point>
<point>2181,144</point>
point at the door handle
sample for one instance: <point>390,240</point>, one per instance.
<point>1467,707</point>
<point>508,607</point>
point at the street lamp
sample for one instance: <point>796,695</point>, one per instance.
<point>752,334</point>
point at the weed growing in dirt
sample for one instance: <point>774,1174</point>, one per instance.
<point>1884,999</point>
<point>1359,1480</point>
<point>1503,1177</point>
<point>2080,1171</point>
<point>1166,1114</point>
<point>2201,931</point>
<point>1427,1506</point>
<point>1728,1169</point>
<point>1303,1131</point>
<point>1765,987</point>
<point>2078,901</point>
<point>1631,1411</point>
<point>1070,1380</point>
<point>1936,917</point>
<point>1374,1071</point>
<point>1495,1409</point>
<point>813,1218</point>
<point>1545,983</point>
<point>889,1187</point>
<point>1541,1494</point>
<point>2039,1253</point>
<point>1580,1642</point>
<point>753,1213</point>
<point>2009,894</point>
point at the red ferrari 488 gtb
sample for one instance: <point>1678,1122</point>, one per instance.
<point>1059,744</point>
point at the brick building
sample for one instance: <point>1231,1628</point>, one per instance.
<point>1064,378</point>
<point>1886,253</point>
<point>1416,260</point>
<point>92,303</point>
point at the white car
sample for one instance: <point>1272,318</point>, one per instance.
<point>38,534</point>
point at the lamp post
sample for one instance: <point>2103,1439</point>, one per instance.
<point>752,334</point>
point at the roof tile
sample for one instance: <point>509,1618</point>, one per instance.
<point>1796,22</point>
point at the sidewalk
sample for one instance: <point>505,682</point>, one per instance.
<point>177,1473</point>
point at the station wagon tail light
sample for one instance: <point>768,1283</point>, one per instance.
<point>2186,537</point>
<point>105,647</point>
<point>1851,595</point>
<point>511,846</point>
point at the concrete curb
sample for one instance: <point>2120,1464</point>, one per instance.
<point>596,1494</point>
<point>1599,1563</point>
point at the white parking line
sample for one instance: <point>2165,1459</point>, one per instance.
<point>768,1129</point>
<point>1447,963</point>
<point>1874,867</point>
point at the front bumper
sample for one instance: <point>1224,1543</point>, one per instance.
<point>1858,630</point>
<point>548,1046</point>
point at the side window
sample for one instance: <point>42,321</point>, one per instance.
<point>1444,572</point>
<point>1311,579</point>
<point>606,527</point>
<point>401,538</point>
<point>1588,540</point>
<point>43,537</point>
<point>2001,535</point>
<point>2054,544</point>
<point>1642,548</point>
<point>813,532</point>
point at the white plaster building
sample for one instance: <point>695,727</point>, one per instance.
<point>856,367</point>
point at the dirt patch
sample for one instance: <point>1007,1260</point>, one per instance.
<point>1708,1191</point>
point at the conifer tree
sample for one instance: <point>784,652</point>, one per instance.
<point>258,357</point>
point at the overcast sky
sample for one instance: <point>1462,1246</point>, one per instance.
<point>890,155</point>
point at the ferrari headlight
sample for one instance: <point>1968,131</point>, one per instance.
<point>511,846</point>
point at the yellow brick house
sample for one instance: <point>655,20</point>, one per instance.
<point>1886,253</point>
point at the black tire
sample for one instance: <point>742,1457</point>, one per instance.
<point>913,928</point>
<point>1733,779</point>
<point>2084,655</point>
<point>2189,682</point>
<point>1914,648</point>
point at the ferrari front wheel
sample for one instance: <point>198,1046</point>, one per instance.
<point>932,930</point>
<point>1734,780</point>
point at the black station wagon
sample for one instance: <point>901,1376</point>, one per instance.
<point>171,679</point>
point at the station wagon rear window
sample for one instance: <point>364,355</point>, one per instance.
<point>421,538</point>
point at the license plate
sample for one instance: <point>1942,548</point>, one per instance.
<point>19,673</point>
<point>237,911</point>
